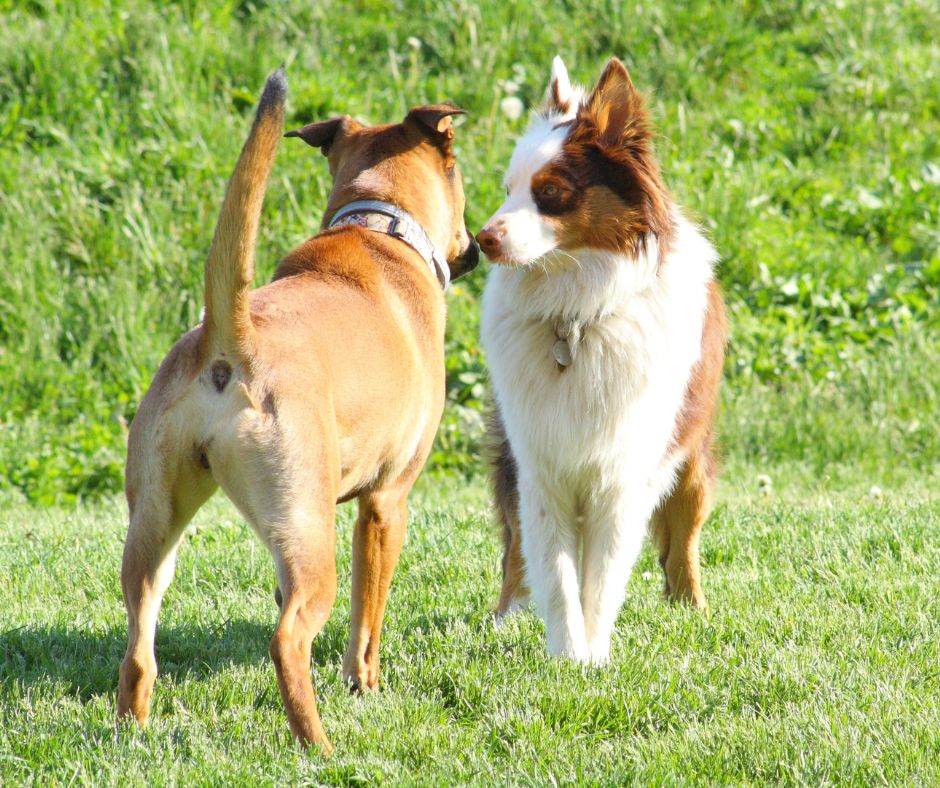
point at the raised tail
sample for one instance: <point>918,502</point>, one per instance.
<point>230,267</point>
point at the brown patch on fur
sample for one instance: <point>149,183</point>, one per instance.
<point>504,481</point>
<point>560,106</point>
<point>676,528</point>
<point>697,417</point>
<point>677,523</point>
<point>610,194</point>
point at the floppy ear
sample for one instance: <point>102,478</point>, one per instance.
<point>436,117</point>
<point>321,135</point>
<point>616,108</point>
<point>434,121</point>
<point>559,94</point>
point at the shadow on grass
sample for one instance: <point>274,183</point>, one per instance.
<point>87,660</point>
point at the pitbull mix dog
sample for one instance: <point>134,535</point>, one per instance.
<point>605,332</point>
<point>325,385</point>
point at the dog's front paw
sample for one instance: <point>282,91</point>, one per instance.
<point>567,647</point>
<point>360,675</point>
<point>599,653</point>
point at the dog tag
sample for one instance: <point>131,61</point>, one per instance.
<point>561,350</point>
<point>567,336</point>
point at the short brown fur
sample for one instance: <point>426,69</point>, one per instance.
<point>324,385</point>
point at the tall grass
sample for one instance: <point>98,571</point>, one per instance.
<point>804,135</point>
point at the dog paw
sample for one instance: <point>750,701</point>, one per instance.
<point>515,606</point>
<point>569,649</point>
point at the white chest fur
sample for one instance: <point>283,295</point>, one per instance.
<point>610,415</point>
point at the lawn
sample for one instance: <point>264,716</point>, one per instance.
<point>804,136</point>
<point>818,662</point>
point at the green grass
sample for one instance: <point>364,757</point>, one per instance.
<point>804,135</point>
<point>817,664</point>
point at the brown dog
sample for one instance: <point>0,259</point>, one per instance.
<point>325,385</point>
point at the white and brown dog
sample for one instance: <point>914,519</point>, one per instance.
<point>604,331</point>
<point>325,385</point>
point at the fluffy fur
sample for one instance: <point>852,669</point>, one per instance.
<point>585,456</point>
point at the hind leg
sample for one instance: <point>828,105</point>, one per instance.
<point>160,508</point>
<point>304,551</point>
<point>514,594</point>
<point>677,526</point>
<point>377,543</point>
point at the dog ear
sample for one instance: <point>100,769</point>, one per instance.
<point>434,121</point>
<point>436,117</point>
<point>322,134</point>
<point>615,108</point>
<point>559,95</point>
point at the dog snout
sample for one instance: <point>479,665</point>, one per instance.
<point>490,239</point>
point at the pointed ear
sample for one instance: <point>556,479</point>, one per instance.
<point>559,95</point>
<point>322,135</point>
<point>614,104</point>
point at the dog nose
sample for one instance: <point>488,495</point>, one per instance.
<point>490,240</point>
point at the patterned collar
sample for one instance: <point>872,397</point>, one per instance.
<point>383,217</point>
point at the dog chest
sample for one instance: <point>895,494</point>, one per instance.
<point>617,403</point>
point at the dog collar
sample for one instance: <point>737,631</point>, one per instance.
<point>383,217</point>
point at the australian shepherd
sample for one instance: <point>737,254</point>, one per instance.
<point>605,334</point>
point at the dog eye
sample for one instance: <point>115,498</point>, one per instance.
<point>549,190</point>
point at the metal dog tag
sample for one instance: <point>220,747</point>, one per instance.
<point>561,350</point>
<point>567,337</point>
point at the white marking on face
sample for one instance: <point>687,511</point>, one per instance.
<point>527,235</point>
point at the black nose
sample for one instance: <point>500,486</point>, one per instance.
<point>469,259</point>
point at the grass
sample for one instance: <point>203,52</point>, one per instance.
<point>816,665</point>
<point>804,135</point>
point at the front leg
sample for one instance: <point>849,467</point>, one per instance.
<point>377,543</point>
<point>614,526</point>
<point>550,548</point>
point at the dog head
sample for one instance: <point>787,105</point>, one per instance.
<point>583,176</point>
<point>409,164</point>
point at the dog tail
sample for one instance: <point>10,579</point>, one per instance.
<point>230,267</point>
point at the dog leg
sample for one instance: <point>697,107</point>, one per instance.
<point>614,528</point>
<point>158,514</point>
<point>514,595</point>
<point>377,543</point>
<point>677,527</point>
<point>304,552</point>
<point>550,548</point>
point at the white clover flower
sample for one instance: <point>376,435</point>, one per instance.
<point>875,493</point>
<point>512,107</point>
<point>511,87</point>
<point>414,43</point>
<point>765,485</point>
